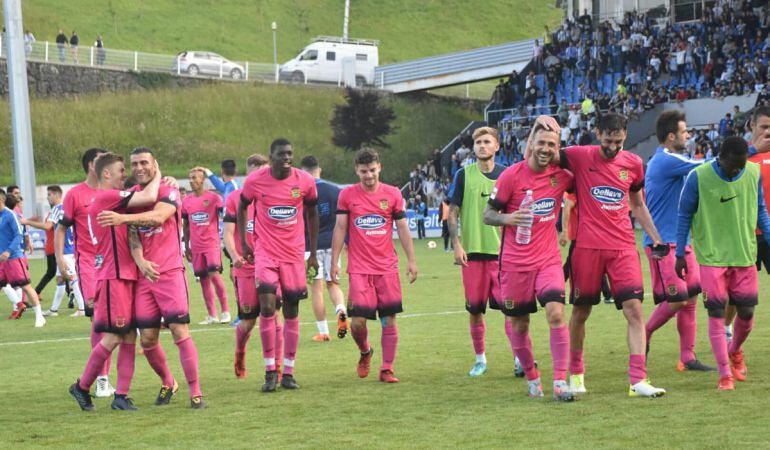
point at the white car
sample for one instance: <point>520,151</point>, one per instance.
<point>196,63</point>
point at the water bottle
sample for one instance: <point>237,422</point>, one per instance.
<point>524,233</point>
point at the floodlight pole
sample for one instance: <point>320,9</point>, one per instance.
<point>346,20</point>
<point>23,157</point>
<point>274,27</point>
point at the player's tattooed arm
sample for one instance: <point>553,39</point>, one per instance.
<point>133,238</point>
<point>461,258</point>
<point>497,219</point>
<point>150,219</point>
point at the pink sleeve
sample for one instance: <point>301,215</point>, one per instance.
<point>342,202</point>
<point>311,193</point>
<point>249,192</point>
<point>231,208</point>
<point>113,200</point>
<point>68,207</point>
<point>638,175</point>
<point>503,189</point>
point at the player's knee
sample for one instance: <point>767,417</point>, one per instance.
<point>745,312</point>
<point>358,323</point>
<point>555,319</point>
<point>290,310</point>
<point>580,314</point>
<point>148,341</point>
<point>179,331</point>
<point>675,307</point>
<point>267,310</point>
<point>388,321</point>
<point>716,313</point>
<point>520,324</point>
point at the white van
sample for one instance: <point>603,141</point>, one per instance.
<point>334,60</point>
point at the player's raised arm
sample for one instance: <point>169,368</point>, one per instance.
<point>402,229</point>
<point>154,218</point>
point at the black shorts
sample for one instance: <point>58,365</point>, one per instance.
<point>763,253</point>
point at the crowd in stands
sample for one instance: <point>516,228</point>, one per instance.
<point>586,68</point>
<point>631,65</point>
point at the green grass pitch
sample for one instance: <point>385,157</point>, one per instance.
<point>435,405</point>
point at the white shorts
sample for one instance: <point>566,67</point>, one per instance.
<point>71,272</point>
<point>324,264</point>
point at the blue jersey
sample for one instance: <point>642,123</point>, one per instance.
<point>221,186</point>
<point>663,183</point>
<point>56,216</point>
<point>327,213</point>
<point>11,234</point>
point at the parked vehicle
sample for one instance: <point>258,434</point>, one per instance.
<point>334,60</point>
<point>196,63</point>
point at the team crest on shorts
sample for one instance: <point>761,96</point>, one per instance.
<point>672,290</point>
<point>246,308</point>
<point>384,205</point>
<point>350,305</point>
<point>295,192</point>
<point>576,291</point>
<point>509,304</point>
<point>623,175</point>
<point>554,182</point>
<point>90,303</point>
<point>120,322</point>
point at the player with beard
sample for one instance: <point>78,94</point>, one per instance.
<point>367,211</point>
<point>533,271</point>
<point>161,289</point>
<point>608,182</point>
<point>284,199</point>
<point>663,182</point>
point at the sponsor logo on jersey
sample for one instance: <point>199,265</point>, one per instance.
<point>607,194</point>
<point>295,192</point>
<point>200,217</point>
<point>370,222</point>
<point>98,261</point>
<point>543,207</point>
<point>281,212</point>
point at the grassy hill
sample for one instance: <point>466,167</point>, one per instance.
<point>207,124</point>
<point>240,29</point>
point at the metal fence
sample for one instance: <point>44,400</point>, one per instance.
<point>113,59</point>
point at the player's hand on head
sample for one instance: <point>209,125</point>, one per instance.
<point>549,123</point>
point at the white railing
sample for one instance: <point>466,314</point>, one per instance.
<point>114,59</point>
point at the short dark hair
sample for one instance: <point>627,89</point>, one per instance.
<point>309,162</point>
<point>367,156</point>
<point>105,160</point>
<point>734,146</point>
<point>55,188</point>
<point>611,122</point>
<point>90,155</point>
<point>280,142</point>
<point>11,201</point>
<point>760,111</point>
<point>140,150</point>
<point>12,188</point>
<point>129,183</point>
<point>668,122</point>
<point>228,167</point>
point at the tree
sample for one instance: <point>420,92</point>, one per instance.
<point>362,121</point>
